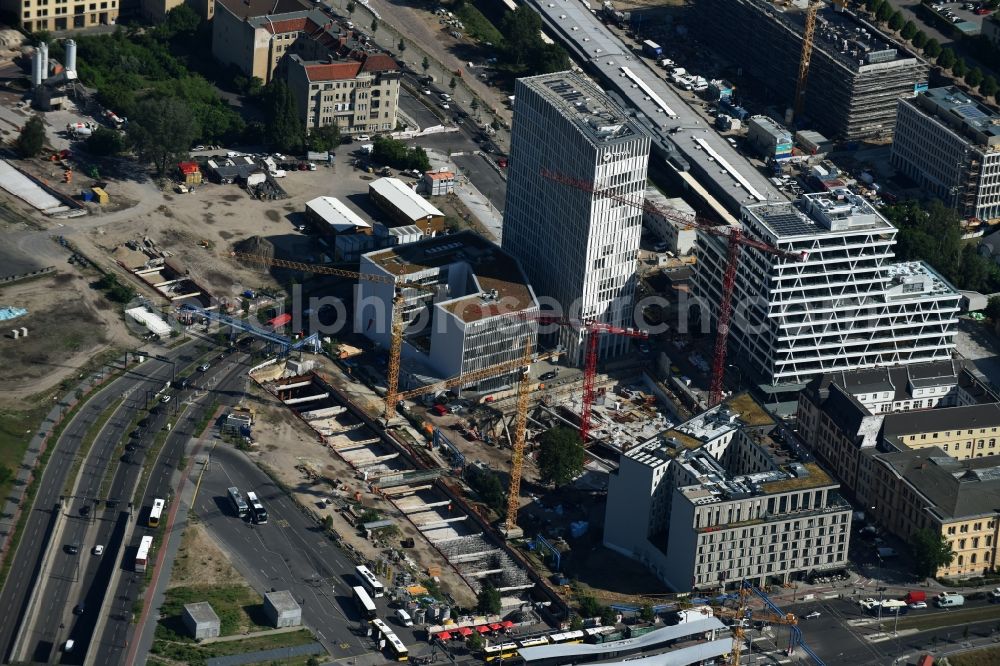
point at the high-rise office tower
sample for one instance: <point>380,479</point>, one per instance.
<point>578,247</point>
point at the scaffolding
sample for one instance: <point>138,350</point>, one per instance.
<point>477,561</point>
<point>856,72</point>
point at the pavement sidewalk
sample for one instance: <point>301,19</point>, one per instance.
<point>477,203</point>
<point>39,442</point>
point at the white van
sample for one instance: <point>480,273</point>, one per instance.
<point>68,646</point>
<point>404,618</point>
<point>945,600</point>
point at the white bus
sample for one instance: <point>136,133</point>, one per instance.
<point>365,604</point>
<point>156,512</point>
<point>368,581</point>
<point>239,504</point>
<point>385,637</point>
<point>142,557</point>
<point>257,511</point>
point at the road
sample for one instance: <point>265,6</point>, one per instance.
<point>288,553</point>
<point>27,560</point>
<point>416,111</point>
<point>224,383</point>
<point>838,636</point>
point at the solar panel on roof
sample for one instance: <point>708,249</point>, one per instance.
<point>970,111</point>
<point>788,223</point>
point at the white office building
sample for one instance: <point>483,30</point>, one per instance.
<point>845,306</point>
<point>950,144</point>
<point>724,497</point>
<point>482,314</point>
<point>578,247</point>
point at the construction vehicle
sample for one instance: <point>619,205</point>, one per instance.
<point>736,242</point>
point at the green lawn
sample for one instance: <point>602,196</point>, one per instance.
<point>239,609</point>
<point>16,431</point>
<point>194,654</point>
<point>477,25</point>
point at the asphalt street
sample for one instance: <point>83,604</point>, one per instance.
<point>486,178</point>
<point>838,635</point>
<point>416,111</point>
<point>27,560</point>
<point>288,553</point>
<point>224,383</point>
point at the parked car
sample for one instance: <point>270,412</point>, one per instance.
<point>813,615</point>
<point>72,548</point>
<point>204,367</point>
<point>917,605</point>
<point>78,609</point>
<point>85,510</point>
<point>440,410</point>
<point>546,376</point>
<point>166,398</point>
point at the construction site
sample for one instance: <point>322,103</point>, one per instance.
<point>854,73</point>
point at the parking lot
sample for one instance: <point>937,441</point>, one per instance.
<point>966,16</point>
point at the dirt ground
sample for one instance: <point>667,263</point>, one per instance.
<point>201,562</point>
<point>292,453</point>
<point>68,324</point>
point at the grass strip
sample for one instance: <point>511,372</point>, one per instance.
<point>193,653</point>
<point>88,442</point>
<point>951,618</point>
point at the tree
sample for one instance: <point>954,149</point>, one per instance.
<point>105,142</point>
<point>284,128</point>
<point>324,138</point>
<point>993,309</point>
<point>947,59</point>
<point>920,39</point>
<point>989,87</point>
<point>351,7</point>
<point>576,623</point>
<point>884,13</point>
<point>474,105</point>
<point>374,26</point>
<point>897,20</point>
<point>31,140</point>
<point>548,58</point>
<point>931,551</point>
<point>161,131</point>
<point>561,456</point>
<point>488,599</point>
<point>395,153</point>
<point>872,5</point>
<point>401,46</point>
<point>909,31</point>
<point>589,606</point>
<point>425,64</point>
<point>474,642</point>
<point>453,84</point>
<point>974,77</point>
<point>646,613</point>
<point>521,29</point>
<point>608,616</point>
<point>369,516</point>
<point>327,523</point>
<point>959,69</point>
<point>932,49</point>
<point>181,20</point>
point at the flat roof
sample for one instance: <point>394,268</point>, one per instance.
<point>336,214</point>
<point>492,268</point>
<point>251,8</point>
<point>953,489</point>
<point>953,106</point>
<point>201,612</point>
<point>282,601</point>
<point>653,639</point>
<point>594,44</point>
<point>587,106</point>
<point>818,214</point>
<point>690,654</point>
<point>403,198</point>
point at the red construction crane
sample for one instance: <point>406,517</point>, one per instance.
<point>594,330</point>
<point>736,240</point>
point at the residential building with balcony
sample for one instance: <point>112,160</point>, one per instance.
<point>60,15</point>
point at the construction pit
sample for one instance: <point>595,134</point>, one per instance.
<point>339,463</point>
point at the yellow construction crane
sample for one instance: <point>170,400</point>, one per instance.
<point>807,47</point>
<point>395,341</point>
<point>740,614</point>
<point>517,446</point>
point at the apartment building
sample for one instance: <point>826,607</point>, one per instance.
<point>579,248</point>
<point>41,15</point>
<point>481,315</point>
<point>835,302</point>
<point>726,496</point>
<point>949,143</point>
<point>358,96</point>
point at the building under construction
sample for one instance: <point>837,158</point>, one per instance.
<point>856,73</point>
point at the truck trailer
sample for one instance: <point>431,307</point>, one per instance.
<point>652,49</point>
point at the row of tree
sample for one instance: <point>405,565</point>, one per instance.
<point>945,58</point>
<point>523,48</point>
